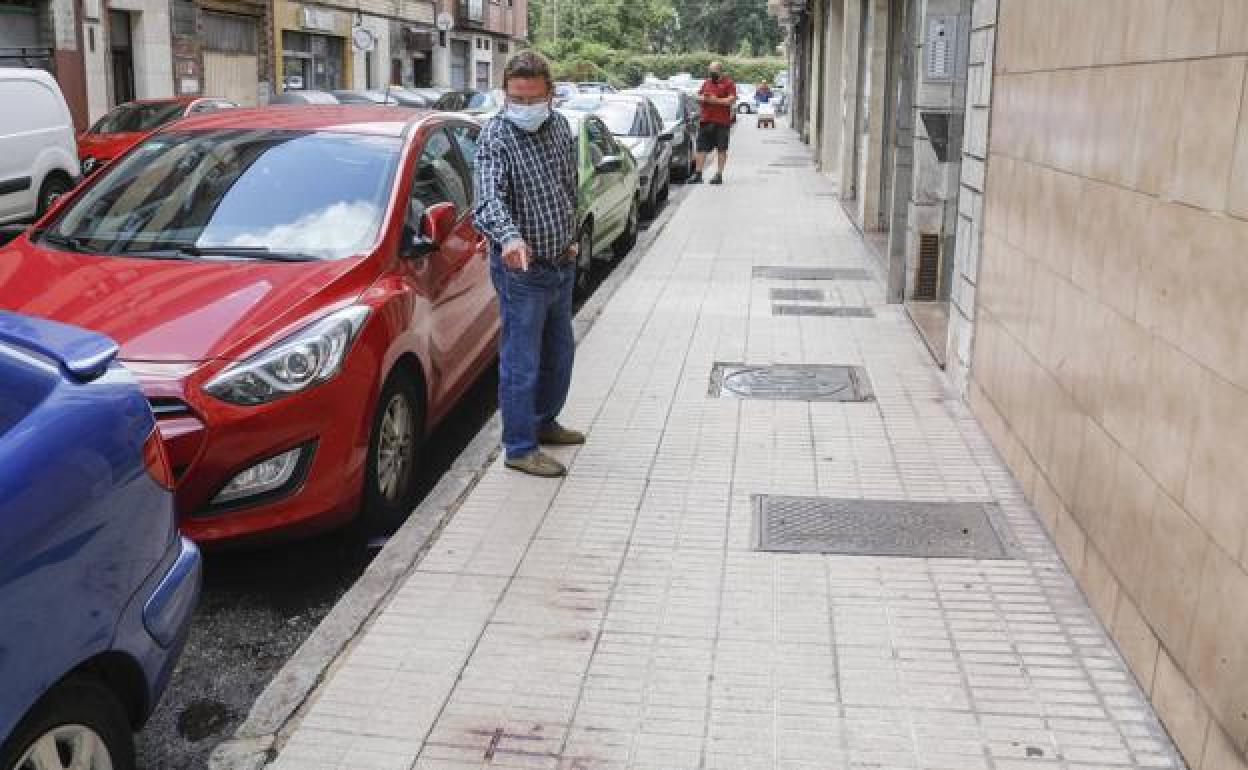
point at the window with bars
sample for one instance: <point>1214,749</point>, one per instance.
<point>227,33</point>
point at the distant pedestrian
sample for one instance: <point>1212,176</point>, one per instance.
<point>718,96</point>
<point>526,188</point>
<point>762,94</point>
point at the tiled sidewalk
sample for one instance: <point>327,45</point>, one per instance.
<point>621,619</point>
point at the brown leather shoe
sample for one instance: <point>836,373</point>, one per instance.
<point>557,435</point>
<point>537,463</point>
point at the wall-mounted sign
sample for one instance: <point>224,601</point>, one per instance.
<point>939,47</point>
<point>363,39</point>
<point>317,18</point>
<point>188,85</point>
<point>445,22</point>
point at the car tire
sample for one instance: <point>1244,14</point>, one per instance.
<point>53,187</point>
<point>584,260</point>
<point>393,454</point>
<point>627,239</point>
<point>81,709</point>
<point>691,164</point>
<point>651,205</point>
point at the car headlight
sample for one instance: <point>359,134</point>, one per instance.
<point>308,357</point>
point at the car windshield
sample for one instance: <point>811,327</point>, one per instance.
<point>147,116</point>
<point>622,118</point>
<point>239,193</point>
<point>667,103</point>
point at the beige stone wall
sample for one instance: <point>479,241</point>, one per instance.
<point>1111,344</point>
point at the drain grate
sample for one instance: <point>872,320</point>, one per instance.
<point>833,311</point>
<point>877,527</point>
<point>801,295</point>
<point>791,382</point>
<point>784,273</point>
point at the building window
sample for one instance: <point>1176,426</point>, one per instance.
<point>502,46</point>
<point>229,34</point>
<point>183,18</point>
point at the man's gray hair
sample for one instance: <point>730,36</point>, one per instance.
<point>528,64</point>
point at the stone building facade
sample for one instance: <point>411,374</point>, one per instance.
<point>1091,216</point>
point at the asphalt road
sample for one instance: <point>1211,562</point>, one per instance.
<point>259,605</point>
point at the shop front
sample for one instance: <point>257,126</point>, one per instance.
<point>313,47</point>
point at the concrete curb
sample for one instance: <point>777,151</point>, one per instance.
<point>256,741</point>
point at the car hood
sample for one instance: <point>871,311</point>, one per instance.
<point>171,311</point>
<point>108,146</point>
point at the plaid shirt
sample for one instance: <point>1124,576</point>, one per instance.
<point>526,186</point>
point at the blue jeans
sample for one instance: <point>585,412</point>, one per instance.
<point>535,350</point>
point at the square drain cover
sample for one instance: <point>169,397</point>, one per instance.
<point>791,382</point>
<point>834,311</point>
<point>782,273</point>
<point>799,295</point>
<point>876,527</point>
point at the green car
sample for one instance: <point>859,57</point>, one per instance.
<point>609,202</point>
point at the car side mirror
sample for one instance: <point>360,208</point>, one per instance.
<point>609,164</point>
<point>434,226</point>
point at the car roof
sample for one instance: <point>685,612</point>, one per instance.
<point>378,120</point>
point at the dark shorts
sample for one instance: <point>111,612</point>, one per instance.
<point>713,136</point>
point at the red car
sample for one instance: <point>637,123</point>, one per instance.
<point>128,124</point>
<point>299,291</point>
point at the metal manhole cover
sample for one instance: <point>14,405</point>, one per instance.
<point>877,527</point>
<point>785,382</point>
<point>801,295</point>
<point>786,273</point>
<point>833,311</point>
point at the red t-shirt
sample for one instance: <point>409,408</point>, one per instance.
<point>718,113</point>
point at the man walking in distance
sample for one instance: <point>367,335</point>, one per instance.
<point>525,206</point>
<point>718,96</point>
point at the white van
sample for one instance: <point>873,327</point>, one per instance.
<point>38,153</point>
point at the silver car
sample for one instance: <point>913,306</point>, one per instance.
<point>679,111</point>
<point>636,124</point>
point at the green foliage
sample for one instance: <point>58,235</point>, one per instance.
<point>576,60</point>
<point>741,27</point>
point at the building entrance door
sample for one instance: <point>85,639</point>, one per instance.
<point>119,44</point>
<point>459,64</point>
<point>311,61</point>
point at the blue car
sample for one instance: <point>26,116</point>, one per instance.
<point>96,584</point>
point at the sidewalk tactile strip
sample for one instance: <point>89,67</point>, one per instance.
<point>876,527</point>
<point>785,273</point>
<point>798,295</point>
<point>824,310</point>
<point>813,382</point>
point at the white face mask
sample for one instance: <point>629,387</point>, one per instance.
<point>529,117</point>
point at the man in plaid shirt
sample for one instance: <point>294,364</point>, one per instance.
<point>526,190</point>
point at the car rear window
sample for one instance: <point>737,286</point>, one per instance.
<point>138,117</point>
<point>622,118</point>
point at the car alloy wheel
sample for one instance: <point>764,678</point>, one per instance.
<point>67,747</point>
<point>53,187</point>
<point>394,447</point>
<point>79,724</point>
<point>393,454</point>
<point>627,239</point>
<point>585,259</point>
